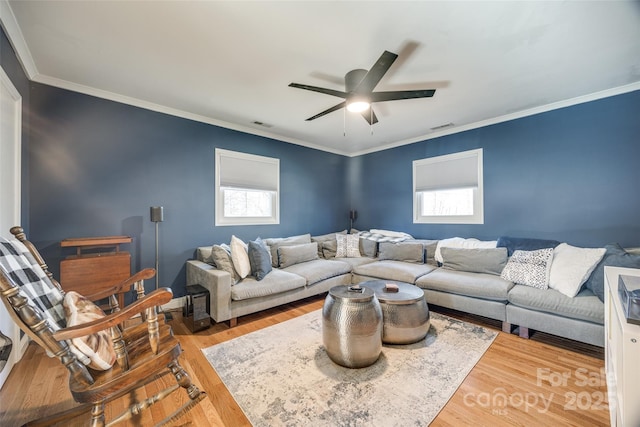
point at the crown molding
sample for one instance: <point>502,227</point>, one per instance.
<point>508,117</point>
<point>12,30</point>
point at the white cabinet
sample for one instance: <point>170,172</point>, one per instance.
<point>622,353</point>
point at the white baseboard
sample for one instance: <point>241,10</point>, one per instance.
<point>175,303</point>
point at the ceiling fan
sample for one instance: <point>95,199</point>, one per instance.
<point>359,94</point>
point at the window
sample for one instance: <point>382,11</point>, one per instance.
<point>247,189</point>
<point>448,189</point>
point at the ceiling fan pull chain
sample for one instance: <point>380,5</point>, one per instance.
<point>344,122</point>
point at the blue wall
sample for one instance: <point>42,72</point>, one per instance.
<point>97,166</point>
<point>93,167</point>
<point>571,174</point>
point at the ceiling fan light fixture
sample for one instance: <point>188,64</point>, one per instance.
<point>358,105</point>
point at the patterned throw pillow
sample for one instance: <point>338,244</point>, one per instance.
<point>530,268</point>
<point>97,347</point>
<point>348,246</point>
<point>222,260</point>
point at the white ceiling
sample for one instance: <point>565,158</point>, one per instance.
<point>229,63</point>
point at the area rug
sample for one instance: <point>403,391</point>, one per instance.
<point>282,376</point>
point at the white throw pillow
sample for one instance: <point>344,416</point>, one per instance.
<point>240,257</point>
<point>530,268</point>
<point>348,246</point>
<point>572,266</point>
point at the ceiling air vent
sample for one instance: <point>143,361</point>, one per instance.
<point>265,125</point>
<point>448,125</point>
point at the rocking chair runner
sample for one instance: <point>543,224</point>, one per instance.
<point>144,352</point>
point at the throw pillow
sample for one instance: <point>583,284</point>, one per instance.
<point>430,247</point>
<point>530,268</point>
<point>275,243</point>
<point>291,255</point>
<point>259,258</point>
<point>331,237</point>
<point>572,266</point>
<point>222,261</point>
<point>97,347</point>
<point>368,247</point>
<point>348,246</point>
<point>240,257</point>
<point>524,244</point>
<point>490,261</point>
<point>403,251</point>
<point>614,256</point>
<point>329,249</point>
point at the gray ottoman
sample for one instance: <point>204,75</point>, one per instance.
<point>405,313</point>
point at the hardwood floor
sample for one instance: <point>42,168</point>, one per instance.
<point>545,380</point>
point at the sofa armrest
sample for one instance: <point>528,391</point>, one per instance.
<point>217,282</point>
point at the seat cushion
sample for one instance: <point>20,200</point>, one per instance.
<point>319,269</point>
<point>584,306</point>
<point>394,270</point>
<point>477,285</point>
<point>275,282</point>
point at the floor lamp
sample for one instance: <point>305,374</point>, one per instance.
<point>157,215</point>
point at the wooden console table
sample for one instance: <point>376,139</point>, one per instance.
<point>104,266</point>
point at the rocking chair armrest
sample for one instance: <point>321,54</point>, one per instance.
<point>155,298</point>
<point>123,286</point>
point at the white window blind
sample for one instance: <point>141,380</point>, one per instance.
<point>447,172</point>
<point>240,170</point>
<point>449,189</point>
<point>247,189</point>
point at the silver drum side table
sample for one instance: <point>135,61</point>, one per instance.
<point>352,326</point>
<point>405,313</point>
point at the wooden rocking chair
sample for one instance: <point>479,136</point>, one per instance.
<point>144,352</point>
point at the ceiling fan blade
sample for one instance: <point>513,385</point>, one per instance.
<point>327,111</point>
<point>401,94</point>
<point>376,72</point>
<point>370,116</point>
<point>337,93</point>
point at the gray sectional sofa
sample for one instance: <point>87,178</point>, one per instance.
<point>481,291</point>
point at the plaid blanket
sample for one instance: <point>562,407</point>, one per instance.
<point>32,281</point>
<point>5,350</point>
<point>378,237</point>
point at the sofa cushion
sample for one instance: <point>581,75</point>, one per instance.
<point>329,249</point>
<point>331,237</point>
<point>259,258</point>
<point>276,282</point>
<point>478,285</point>
<point>394,270</point>
<point>614,256</point>
<point>584,306</point>
<point>295,254</point>
<point>276,242</point>
<point>524,244</point>
<point>459,242</point>
<point>368,247</point>
<point>354,262</point>
<point>403,251</point>
<point>572,266</point>
<point>529,268</point>
<point>348,246</point>
<point>490,260</point>
<point>430,247</point>
<point>318,270</point>
<point>221,259</point>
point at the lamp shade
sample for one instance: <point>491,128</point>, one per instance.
<point>157,214</point>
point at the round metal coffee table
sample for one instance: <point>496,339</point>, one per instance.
<point>352,326</point>
<point>405,313</point>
